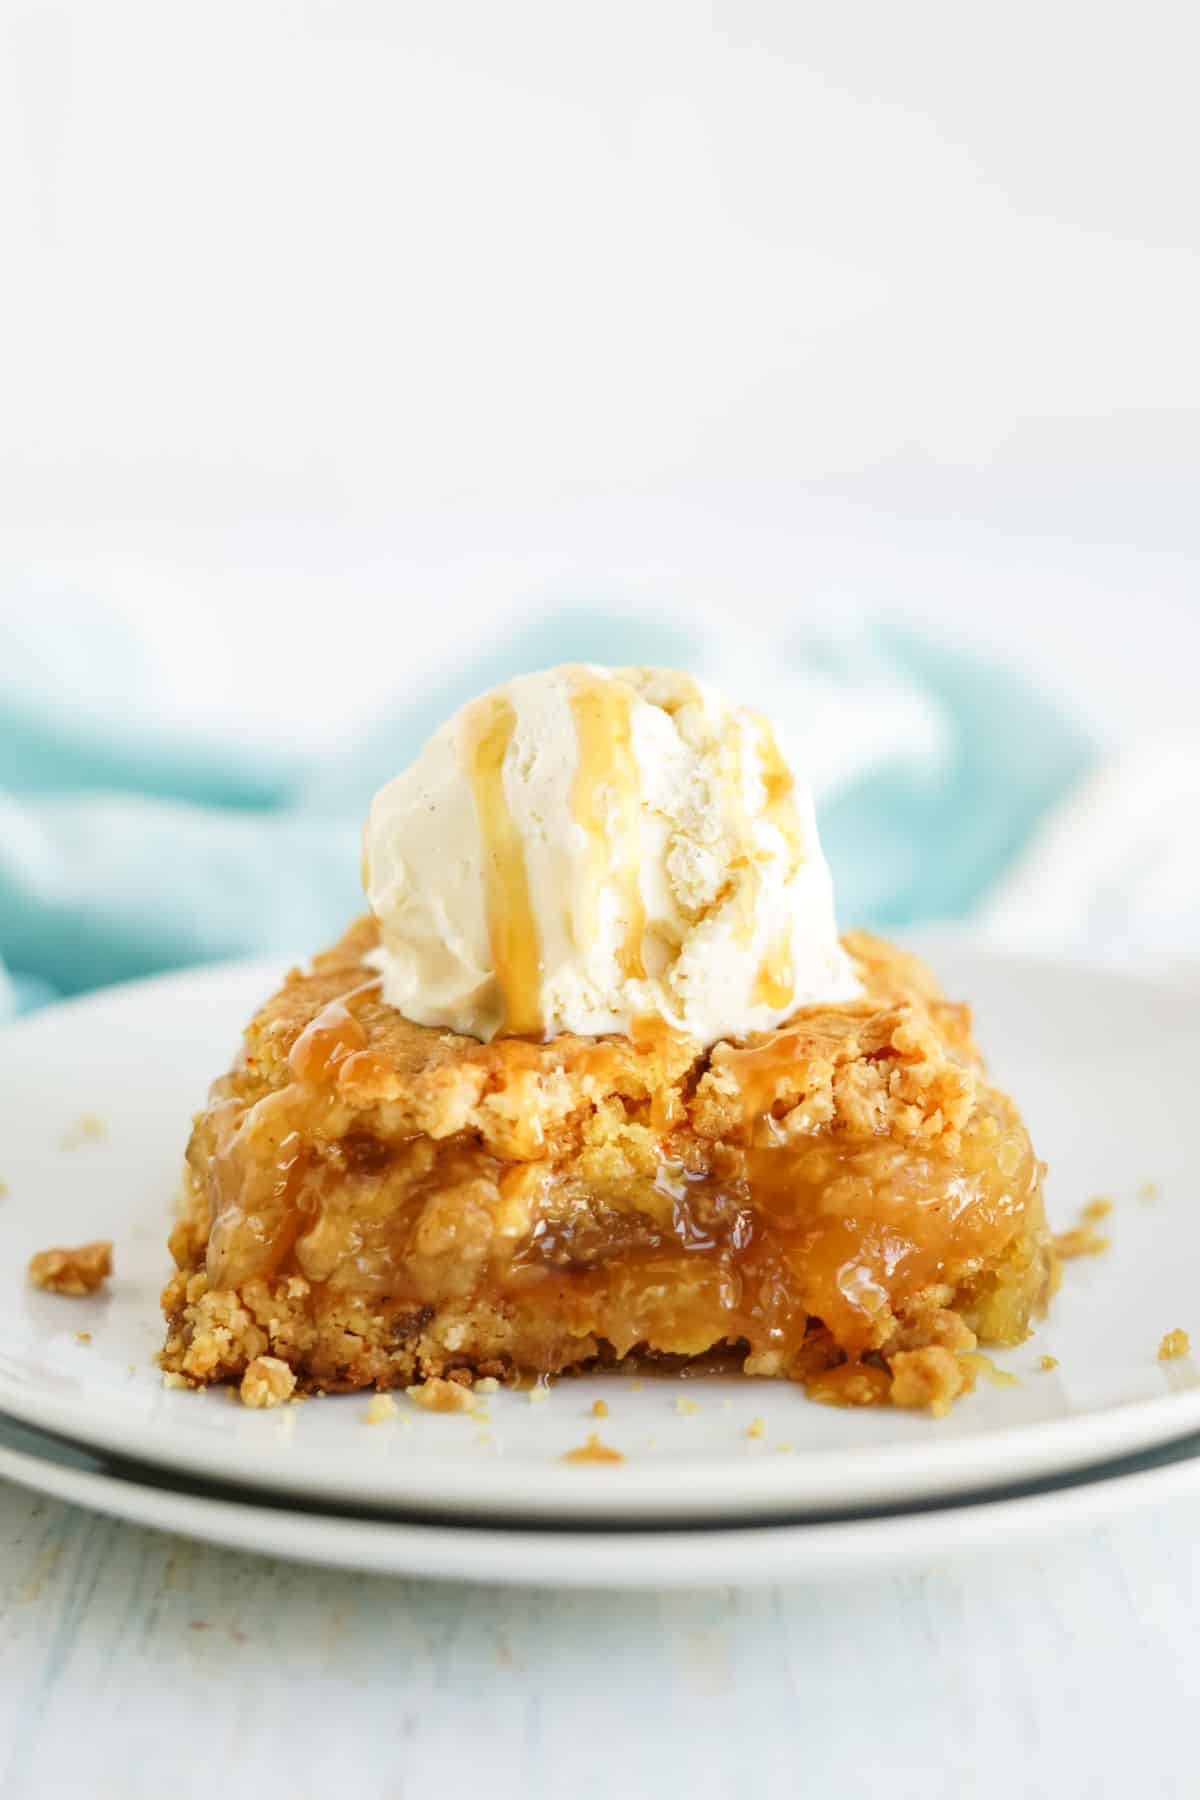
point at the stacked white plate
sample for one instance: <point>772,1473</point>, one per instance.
<point>722,1479</point>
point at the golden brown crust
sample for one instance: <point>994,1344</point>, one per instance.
<point>517,1095</point>
<point>372,1202</point>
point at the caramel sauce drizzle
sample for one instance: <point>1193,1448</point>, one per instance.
<point>602,709</point>
<point>780,785</point>
<point>329,1039</point>
<point>761,1069</point>
<point>775,983</point>
<point>512,928</point>
<point>652,1034</point>
<point>733,780</point>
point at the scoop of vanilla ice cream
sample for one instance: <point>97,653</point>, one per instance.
<point>586,847</point>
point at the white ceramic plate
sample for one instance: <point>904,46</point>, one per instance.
<point>699,1556</point>
<point>1101,1064</point>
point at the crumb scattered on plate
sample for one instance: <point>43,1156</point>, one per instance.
<point>379,1408</point>
<point>87,1129</point>
<point>83,1337</point>
<point>3,1189</point>
<point>1174,1345</point>
<point>1047,1362</point>
<point>686,1408</point>
<point>72,1271</point>
<point>599,1409</point>
<point>1148,1191</point>
<point>756,1428</point>
<point>268,1381</point>
<point>1081,1240</point>
<point>983,1365</point>
<point>1098,1209</point>
<point>593,1451</point>
<point>437,1395</point>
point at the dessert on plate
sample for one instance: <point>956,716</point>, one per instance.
<point>596,1077</point>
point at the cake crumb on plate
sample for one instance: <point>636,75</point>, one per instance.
<point>983,1365</point>
<point>268,1381</point>
<point>438,1395</point>
<point>1174,1345</point>
<point>87,1129</point>
<point>72,1271</point>
<point>1081,1240</point>
<point>593,1451</point>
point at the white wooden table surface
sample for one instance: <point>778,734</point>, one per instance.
<point>134,1664</point>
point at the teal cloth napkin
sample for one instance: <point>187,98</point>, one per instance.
<point>128,848</point>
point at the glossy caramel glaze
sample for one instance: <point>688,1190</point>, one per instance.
<point>606,799</point>
<point>512,927</point>
<point>846,1187</point>
<point>779,785</point>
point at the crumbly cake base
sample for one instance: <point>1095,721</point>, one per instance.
<point>845,1202</point>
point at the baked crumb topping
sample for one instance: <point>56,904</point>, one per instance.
<point>1174,1344</point>
<point>376,1204</point>
<point>78,1271</point>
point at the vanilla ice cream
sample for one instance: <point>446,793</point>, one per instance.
<point>586,847</point>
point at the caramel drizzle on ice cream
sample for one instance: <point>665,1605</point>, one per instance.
<point>512,928</point>
<point>606,800</point>
<point>746,859</point>
<point>775,983</point>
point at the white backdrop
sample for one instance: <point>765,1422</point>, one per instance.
<point>328,315</point>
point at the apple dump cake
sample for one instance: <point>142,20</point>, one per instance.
<point>597,1077</point>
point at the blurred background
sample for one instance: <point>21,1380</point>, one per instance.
<point>355,353</point>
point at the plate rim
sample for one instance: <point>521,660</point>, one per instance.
<point>915,1470</point>
<point>462,1490</point>
<point>749,1555</point>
